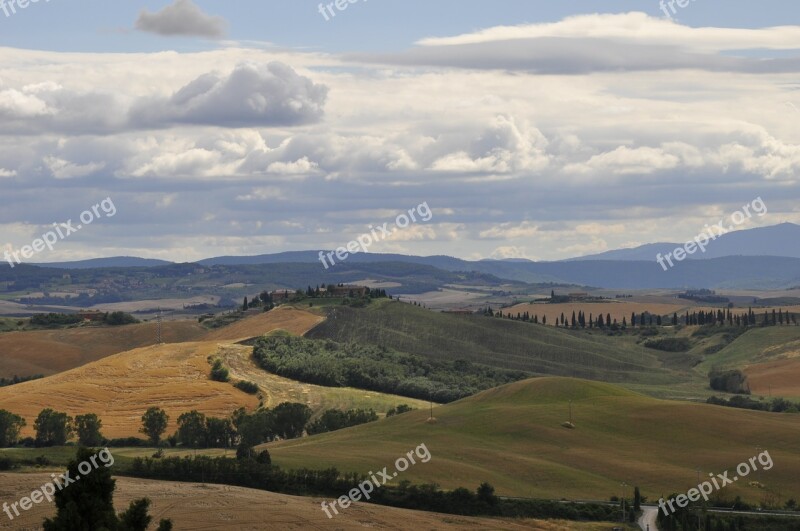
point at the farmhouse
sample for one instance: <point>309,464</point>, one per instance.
<point>91,315</point>
<point>348,290</point>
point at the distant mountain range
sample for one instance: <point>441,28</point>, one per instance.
<point>762,258</point>
<point>775,240</point>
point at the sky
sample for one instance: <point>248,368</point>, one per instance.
<point>531,129</point>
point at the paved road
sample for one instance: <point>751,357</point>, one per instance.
<point>649,514</point>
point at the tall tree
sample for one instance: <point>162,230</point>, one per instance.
<point>154,424</point>
<point>10,425</point>
<point>88,429</point>
<point>53,428</point>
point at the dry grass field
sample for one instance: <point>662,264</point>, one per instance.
<point>775,378</point>
<point>121,387</point>
<point>202,507</point>
<point>293,320</point>
<point>53,351</point>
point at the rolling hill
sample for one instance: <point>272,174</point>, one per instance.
<point>51,351</point>
<point>498,343</point>
<point>512,437</point>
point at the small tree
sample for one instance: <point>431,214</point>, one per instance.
<point>10,425</point>
<point>53,428</point>
<point>291,419</point>
<point>88,429</point>
<point>154,424</point>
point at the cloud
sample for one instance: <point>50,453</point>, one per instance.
<point>4,173</point>
<point>628,42</point>
<point>64,169</point>
<point>252,95</point>
<point>182,17</point>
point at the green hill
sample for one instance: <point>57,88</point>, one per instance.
<point>500,343</point>
<point>513,438</point>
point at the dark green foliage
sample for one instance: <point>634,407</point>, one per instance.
<point>10,425</point>
<point>248,387</point>
<point>4,382</point>
<point>192,429</point>
<point>6,463</point>
<point>53,428</point>
<point>119,318</point>
<point>248,472</point>
<point>399,410</point>
<point>86,504</point>
<point>165,525</point>
<point>732,381</point>
<point>128,442</point>
<point>334,419</point>
<point>88,429</point>
<point>154,424</point>
<point>135,518</point>
<point>669,344</point>
<point>776,405</point>
<point>219,372</point>
<point>55,320</point>
<point>374,368</point>
<point>291,419</point>
<point>219,433</point>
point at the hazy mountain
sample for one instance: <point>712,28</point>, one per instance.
<point>115,261</point>
<point>775,240</point>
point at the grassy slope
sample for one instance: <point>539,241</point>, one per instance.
<point>497,342</point>
<point>770,357</point>
<point>512,437</point>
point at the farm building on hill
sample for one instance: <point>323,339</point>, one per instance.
<point>348,290</point>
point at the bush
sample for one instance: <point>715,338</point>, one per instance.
<point>6,463</point>
<point>732,381</point>
<point>248,387</point>
<point>219,372</point>
<point>119,318</point>
<point>669,344</point>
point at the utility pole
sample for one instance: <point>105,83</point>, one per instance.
<point>623,484</point>
<point>570,411</point>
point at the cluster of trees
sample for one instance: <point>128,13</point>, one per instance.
<point>325,362</point>
<point>721,317</point>
<point>776,405</point>
<point>4,382</point>
<point>262,300</point>
<point>288,420</point>
<point>53,428</point>
<point>249,472</point>
<point>335,419</point>
<point>52,320</point>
